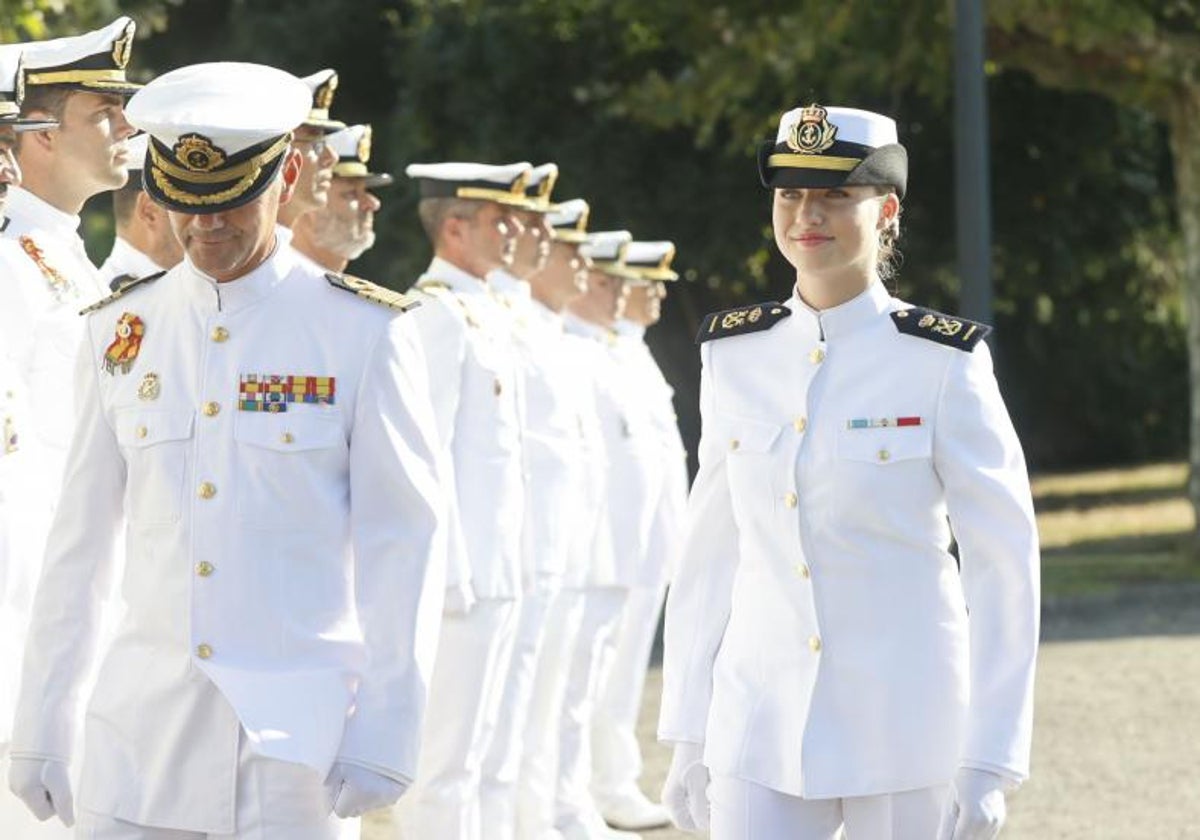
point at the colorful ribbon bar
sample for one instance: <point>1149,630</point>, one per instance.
<point>272,393</point>
<point>882,422</point>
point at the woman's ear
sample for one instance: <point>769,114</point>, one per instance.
<point>888,210</point>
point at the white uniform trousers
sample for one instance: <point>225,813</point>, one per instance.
<point>16,820</point>
<point>460,719</point>
<point>590,663</point>
<point>502,764</point>
<point>537,784</point>
<point>276,800</point>
<point>616,755</point>
<point>743,810</point>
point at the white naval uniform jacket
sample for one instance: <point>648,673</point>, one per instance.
<point>284,571</point>
<point>126,261</point>
<point>472,372</point>
<point>633,473</point>
<point>818,640</point>
<point>664,543</point>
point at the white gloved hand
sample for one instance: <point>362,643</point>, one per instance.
<point>460,597</point>
<point>44,785</point>
<point>975,809</point>
<point>685,792</point>
<point>357,790</point>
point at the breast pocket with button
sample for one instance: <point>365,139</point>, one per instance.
<point>881,471</point>
<point>292,468</point>
<point>752,467</point>
<point>156,446</point>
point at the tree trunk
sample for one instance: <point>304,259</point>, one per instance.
<point>1185,147</point>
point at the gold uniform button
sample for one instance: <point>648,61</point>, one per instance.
<point>800,424</point>
<point>884,455</point>
<point>817,356</point>
<point>802,570</point>
<point>204,568</point>
<point>211,409</point>
<point>287,437</point>
<point>207,490</point>
<point>791,500</point>
<point>142,431</point>
<point>814,643</point>
<point>220,334</point>
<point>204,651</point>
<point>497,388</point>
<point>734,444</point>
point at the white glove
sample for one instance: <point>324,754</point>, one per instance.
<point>358,790</point>
<point>460,597</point>
<point>685,792</point>
<point>44,786</point>
<point>975,809</point>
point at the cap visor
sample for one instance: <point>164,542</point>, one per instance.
<point>183,198</point>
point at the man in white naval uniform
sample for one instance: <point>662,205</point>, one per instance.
<point>25,490</point>
<point>544,424</point>
<point>283,515</point>
<point>616,755</point>
<point>630,481</point>
<point>465,210</point>
<point>145,243</point>
<point>344,229</point>
<point>317,157</point>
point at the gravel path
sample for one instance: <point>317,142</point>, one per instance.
<point>1117,730</point>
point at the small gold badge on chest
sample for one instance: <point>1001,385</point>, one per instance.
<point>150,387</point>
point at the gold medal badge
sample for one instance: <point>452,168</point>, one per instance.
<point>125,347</point>
<point>812,133</point>
<point>150,387</point>
<point>197,153</point>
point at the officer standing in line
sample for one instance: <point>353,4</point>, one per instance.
<point>543,424</point>
<point>145,243</point>
<point>317,156</point>
<point>629,484</point>
<point>344,229</point>
<point>466,211</point>
<point>616,755</point>
<point>283,515</point>
<point>80,83</point>
<point>24,489</point>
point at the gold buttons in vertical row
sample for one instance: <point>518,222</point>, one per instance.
<point>219,335</point>
<point>204,568</point>
<point>814,644</point>
<point>211,409</point>
<point>800,424</point>
<point>791,499</point>
<point>803,570</point>
<point>204,651</point>
<point>734,444</point>
<point>817,356</point>
<point>207,490</point>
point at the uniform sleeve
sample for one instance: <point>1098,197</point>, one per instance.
<point>75,578</point>
<point>699,600</point>
<point>397,520</point>
<point>444,344</point>
<point>982,468</point>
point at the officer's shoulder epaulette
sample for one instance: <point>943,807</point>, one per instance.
<point>367,290</point>
<point>744,319</point>
<point>122,290</point>
<point>951,330</point>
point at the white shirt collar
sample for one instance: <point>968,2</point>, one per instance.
<point>458,279</point>
<point>33,212</point>
<point>126,259</point>
<point>845,317</point>
<point>246,290</point>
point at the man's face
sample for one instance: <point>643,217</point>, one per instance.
<point>316,170</point>
<point>644,305</point>
<point>89,142</point>
<point>609,294</point>
<point>10,173</point>
<point>230,244</point>
<point>491,235</point>
<point>533,243</point>
<point>346,225</point>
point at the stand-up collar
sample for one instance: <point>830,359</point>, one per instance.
<point>131,261</point>
<point>845,317</point>
<point>34,212</point>
<point>578,326</point>
<point>461,281</point>
<point>628,329</point>
<point>246,290</point>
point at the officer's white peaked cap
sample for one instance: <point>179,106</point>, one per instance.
<point>93,61</point>
<point>478,181</point>
<point>568,221</point>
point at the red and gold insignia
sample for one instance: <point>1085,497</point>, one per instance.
<point>197,153</point>
<point>812,133</point>
<point>62,288</point>
<point>127,344</point>
<point>272,392</point>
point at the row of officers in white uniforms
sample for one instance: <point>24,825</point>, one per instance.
<point>363,543</point>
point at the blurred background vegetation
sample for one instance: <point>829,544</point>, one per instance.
<point>652,109</point>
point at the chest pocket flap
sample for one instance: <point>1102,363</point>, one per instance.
<point>885,446</point>
<point>138,428</point>
<point>749,435</point>
<point>291,431</point>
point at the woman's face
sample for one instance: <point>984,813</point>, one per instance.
<point>831,231</point>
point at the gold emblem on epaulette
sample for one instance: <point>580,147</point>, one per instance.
<point>123,46</point>
<point>730,320</point>
<point>197,153</point>
<point>812,133</point>
<point>364,146</point>
<point>324,94</point>
<point>19,94</point>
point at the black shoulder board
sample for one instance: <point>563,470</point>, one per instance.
<point>4,224</point>
<point>119,281</point>
<point>367,290</point>
<point>744,319</point>
<point>951,330</point>
<point>122,290</point>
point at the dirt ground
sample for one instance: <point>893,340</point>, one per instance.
<point>1117,730</point>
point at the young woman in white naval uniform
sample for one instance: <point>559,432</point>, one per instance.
<point>830,665</point>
